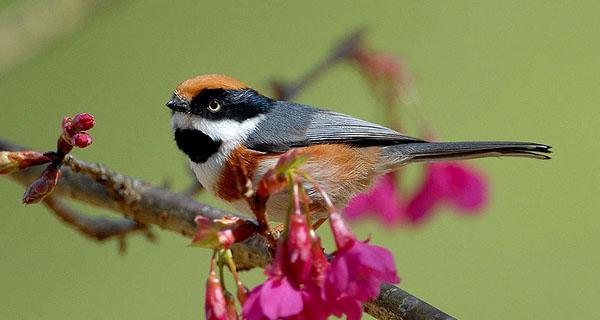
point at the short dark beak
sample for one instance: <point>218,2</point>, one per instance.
<point>178,104</point>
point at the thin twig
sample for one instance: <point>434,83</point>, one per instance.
<point>289,90</point>
<point>140,201</point>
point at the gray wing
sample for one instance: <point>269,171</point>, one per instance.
<point>289,125</point>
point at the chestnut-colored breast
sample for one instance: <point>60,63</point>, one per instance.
<point>227,185</point>
<point>342,170</point>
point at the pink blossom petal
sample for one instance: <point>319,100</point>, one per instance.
<point>467,188</point>
<point>251,308</point>
<point>454,184</point>
<point>279,299</point>
<point>358,269</point>
<point>423,203</point>
<point>315,307</point>
<point>379,259</point>
<point>382,201</point>
<point>347,306</point>
<point>359,206</point>
<point>361,269</point>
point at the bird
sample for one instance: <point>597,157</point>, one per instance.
<point>219,122</point>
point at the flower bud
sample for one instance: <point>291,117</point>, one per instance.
<point>67,127</point>
<point>298,249</point>
<point>242,293</point>
<point>341,232</point>
<point>43,185</point>
<point>215,306</point>
<point>83,121</point>
<point>231,310</point>
<point>81,140</point>
<point>7,163</point>
<point>15,160</point>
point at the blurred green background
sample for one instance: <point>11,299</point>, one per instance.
<point>508,70</point>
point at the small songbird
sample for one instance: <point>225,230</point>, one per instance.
<point>218,121</point>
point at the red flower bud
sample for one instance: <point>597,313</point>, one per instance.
<point>81,140</point>
<point>231,310</point>
<point>242,293</point>
<point>67,127</point>
<point>73,134</point>
<point>43,185</point>
<point>215,306</point>
<point>341,232</point>
<point>298,249</point>
<point>83,121</point>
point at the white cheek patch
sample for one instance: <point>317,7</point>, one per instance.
<point>223,130</point>
<point>230,132</point>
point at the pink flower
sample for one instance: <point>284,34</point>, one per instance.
<point>293,290</point>
<point>357,271</point>
<point>302,284</point>
<point>277,298</point>
<point>454,184</point>
<point>383,201</point>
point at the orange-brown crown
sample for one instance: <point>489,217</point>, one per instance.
<point>191,87</point>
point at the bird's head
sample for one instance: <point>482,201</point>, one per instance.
<point>217,109</point>
<point>217,97</point>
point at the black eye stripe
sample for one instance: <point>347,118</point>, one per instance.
<point>206,96</point>
<point>238,105</point>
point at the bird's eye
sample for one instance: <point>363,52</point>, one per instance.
<point>214,105</point>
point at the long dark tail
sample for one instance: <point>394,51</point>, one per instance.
<point>442,151</point>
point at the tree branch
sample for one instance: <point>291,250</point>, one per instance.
<point>139,201</point>
<point>395,303</point>
<point>96,228</point>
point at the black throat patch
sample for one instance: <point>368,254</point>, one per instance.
<point>197,145</point>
